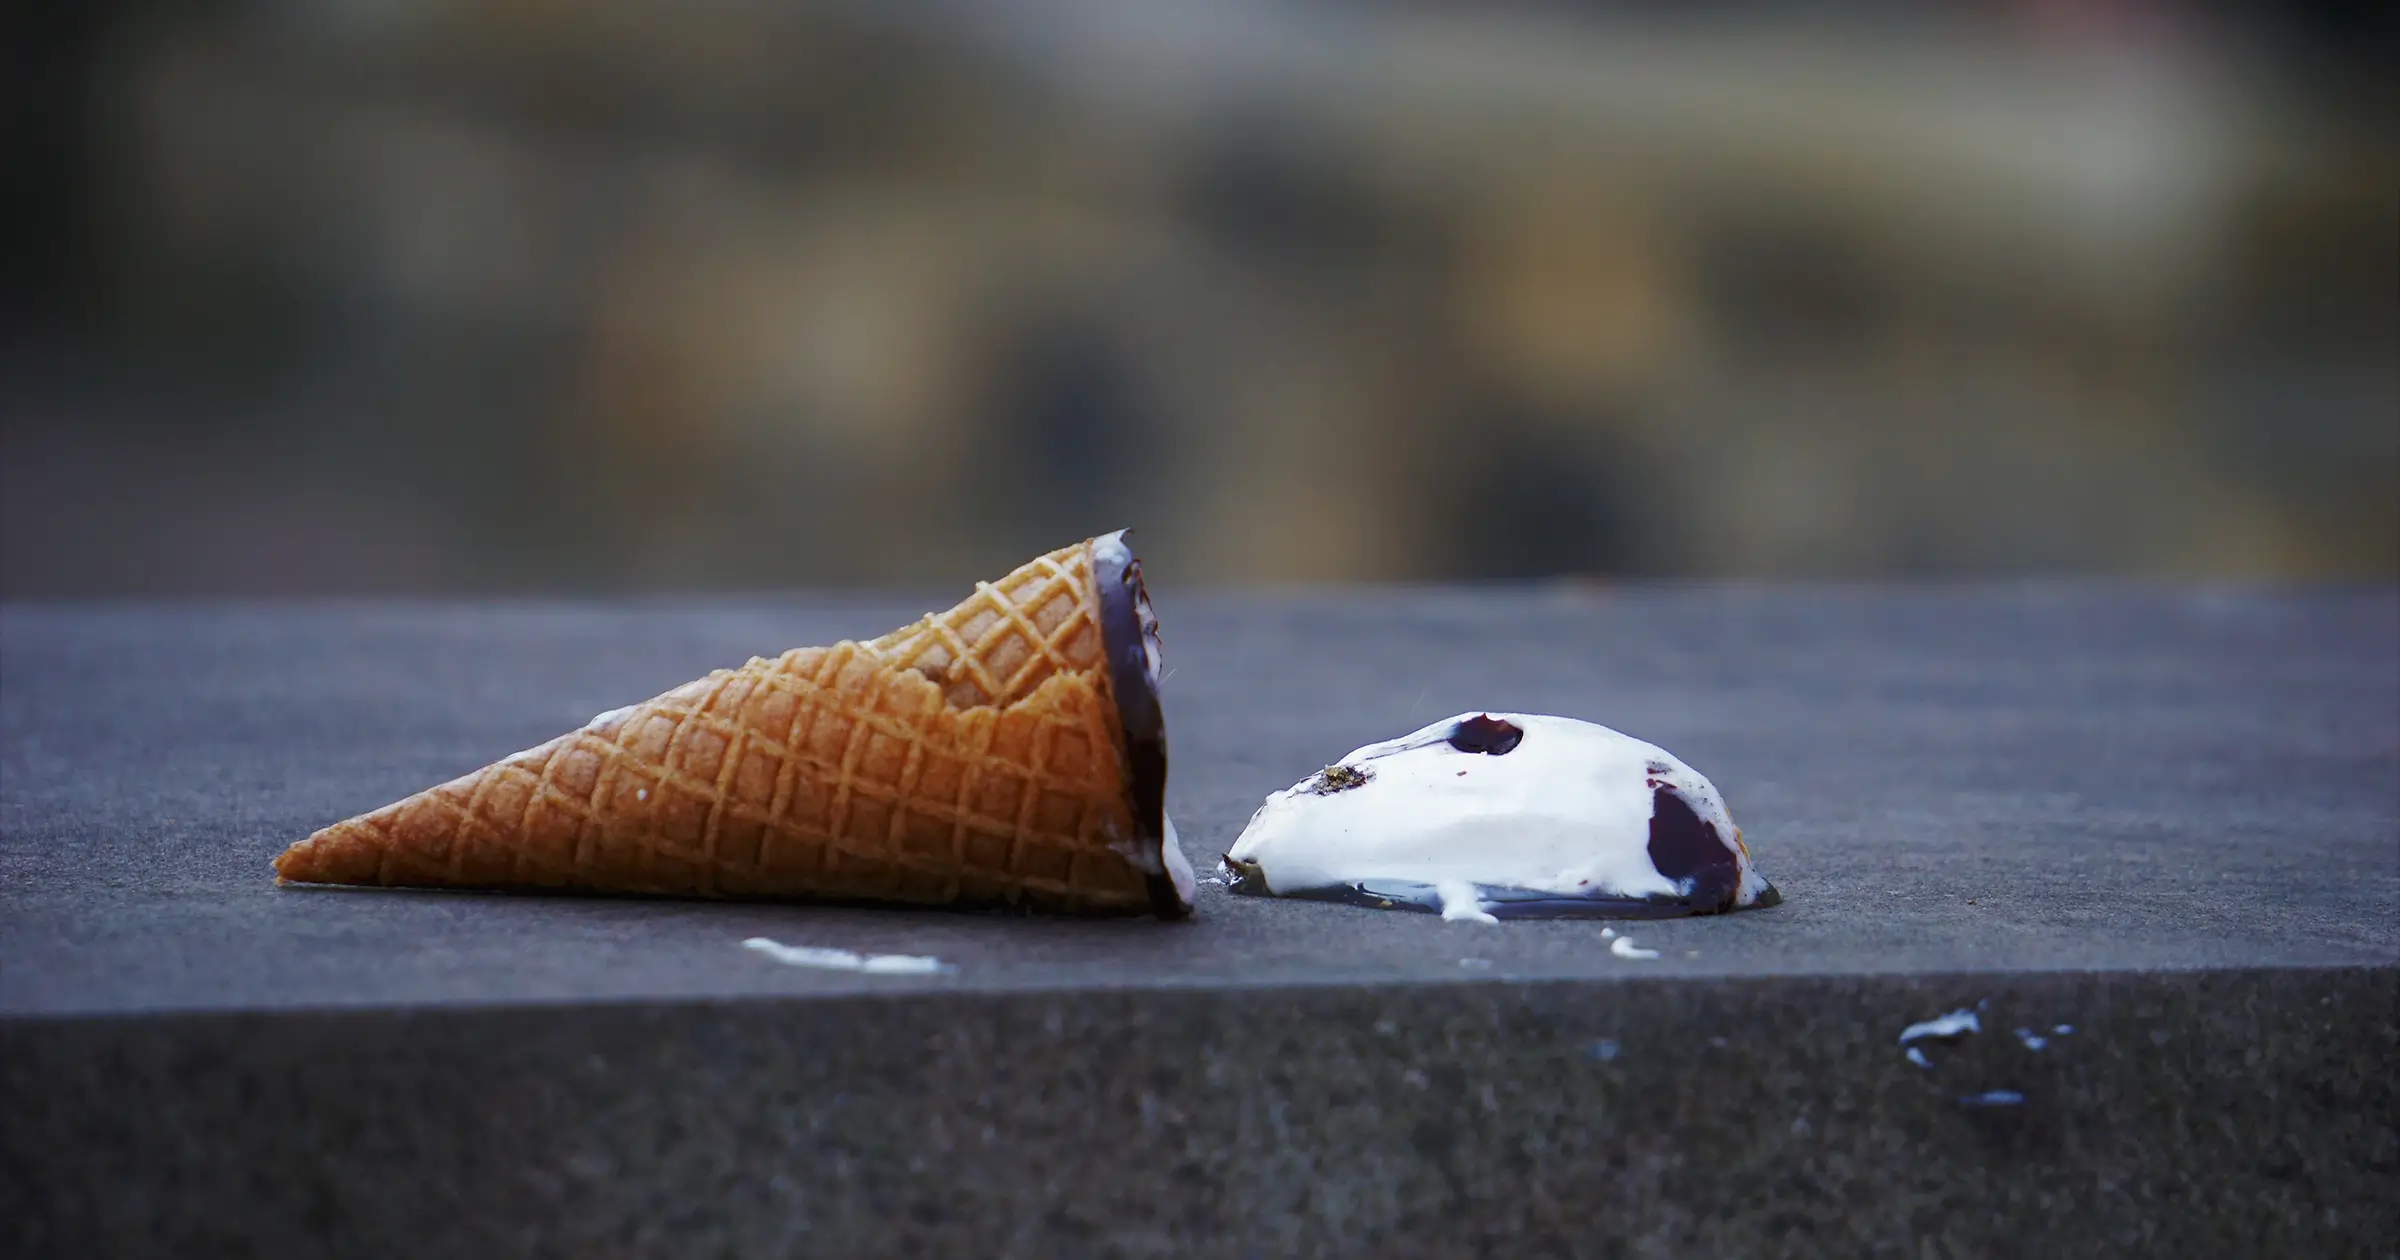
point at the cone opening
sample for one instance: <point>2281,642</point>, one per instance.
<point>1129,635</point>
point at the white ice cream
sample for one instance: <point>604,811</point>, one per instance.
<point>1485,812</point>
<point>843,960</point>
<point>1957,1023</point>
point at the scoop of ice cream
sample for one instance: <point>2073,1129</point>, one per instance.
<point>1504,815</point>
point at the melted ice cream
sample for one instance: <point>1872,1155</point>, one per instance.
<point>843,960</point>
<point>1486,816</point>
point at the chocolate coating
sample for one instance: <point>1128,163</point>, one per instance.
<point>1486,734</point>
<point>1129,637</point>
<point>1684,848</point>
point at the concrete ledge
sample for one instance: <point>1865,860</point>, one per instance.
<point>2169,820</point>
<point>2238,1114</point>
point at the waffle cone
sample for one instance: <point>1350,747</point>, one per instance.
<point>1007,752</point>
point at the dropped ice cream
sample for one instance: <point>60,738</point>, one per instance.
<point>1489,816</point>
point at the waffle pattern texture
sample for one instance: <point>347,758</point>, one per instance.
<point>974,757</point>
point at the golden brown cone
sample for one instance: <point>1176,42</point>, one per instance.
<point>974,757</point>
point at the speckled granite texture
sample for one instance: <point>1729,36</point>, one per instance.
<point>2167,819</point>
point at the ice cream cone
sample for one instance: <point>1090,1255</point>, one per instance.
<point>1008,752</point>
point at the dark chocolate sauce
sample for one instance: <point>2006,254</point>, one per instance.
<point>1684,848</point>
<point>1128,634</point>
<point>1486,734</point>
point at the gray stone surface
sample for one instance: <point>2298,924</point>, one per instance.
<point>2244,1114</point>
<point>2170,818</point>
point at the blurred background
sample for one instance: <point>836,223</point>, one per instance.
<point>411,295</point>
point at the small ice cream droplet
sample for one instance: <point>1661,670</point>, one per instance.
<point>1956,1024</point>
<point>844,960</point>
<point>1623,947</point>
<point>1944,1028</point>
<point>1490,816</point>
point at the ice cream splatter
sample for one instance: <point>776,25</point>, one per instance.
<point>1623,947</point>
<point>1957,1023</point>
<point>1992,1098</point>
<point>844,960</point>
<point>2032,1039</point>
<point>1948,1027</point>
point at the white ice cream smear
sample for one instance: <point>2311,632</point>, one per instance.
<point>844,960</point>
<point>1623,947</point>
<point>1957,1023</point>
<point>1459,902</point>
<point>1504,815</point>
<point>1179,867</point>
